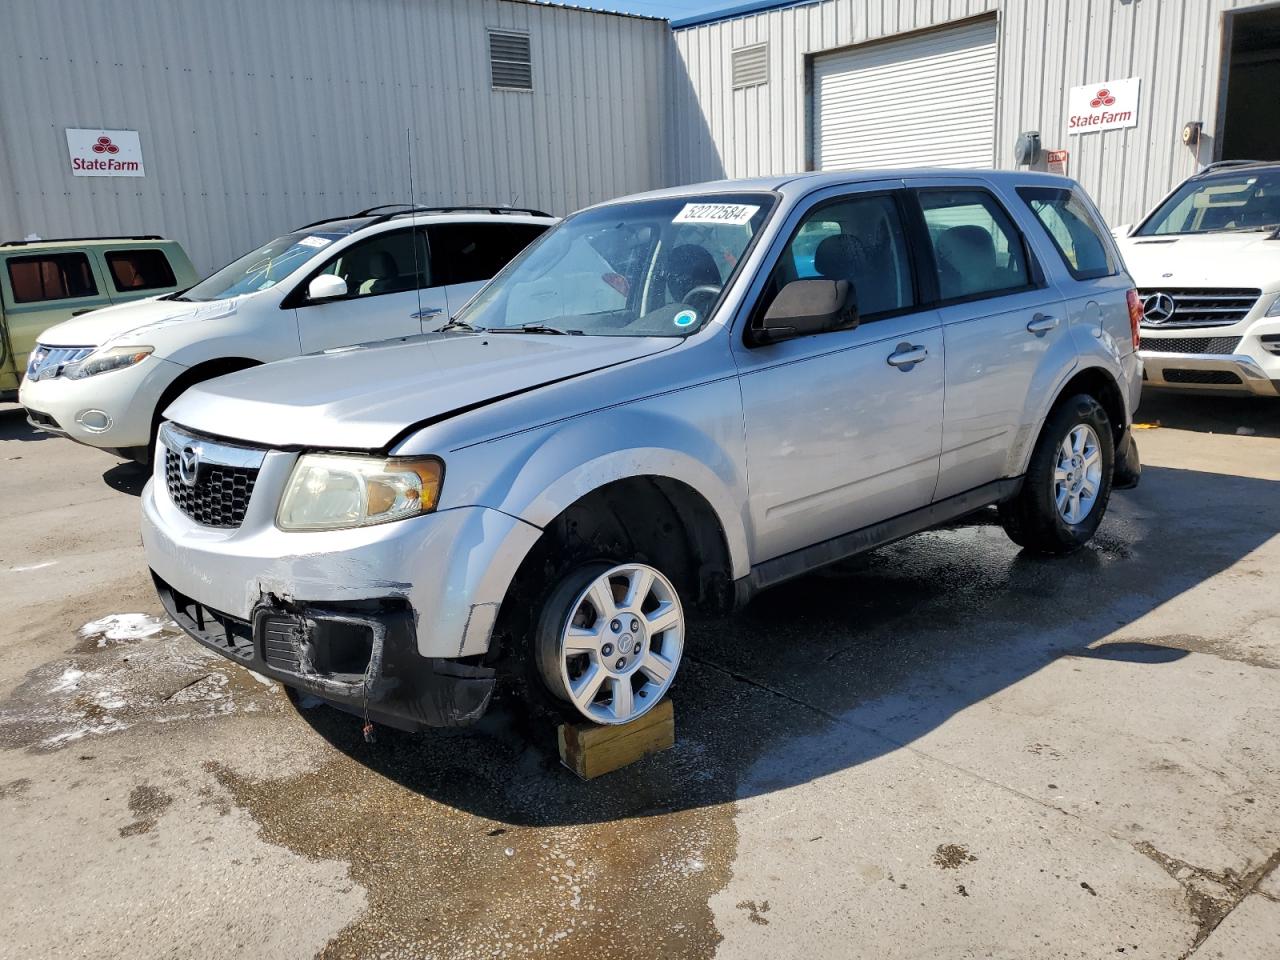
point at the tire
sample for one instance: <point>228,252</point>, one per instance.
<point>608,640</point>
<point>1036,519</point>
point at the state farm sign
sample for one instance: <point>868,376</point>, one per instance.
<point>1103,106</point>
<point>105,153</point>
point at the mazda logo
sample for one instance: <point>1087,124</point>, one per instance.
<point>189,465</point>
<point>1158,308</point>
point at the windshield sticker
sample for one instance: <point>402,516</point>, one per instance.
<point>685,318</point>
<point>736,214</point>
<point>314,242</point>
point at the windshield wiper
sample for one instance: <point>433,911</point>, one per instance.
<point>535,328</point>
<point>456,324</point>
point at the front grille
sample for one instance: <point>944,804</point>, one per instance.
<point>1190,344</point>
<point>48,362</point>
<point>1202,307</point>
<point>218,498</point>
<point>1207,377</point>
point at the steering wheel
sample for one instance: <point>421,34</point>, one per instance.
<point>709,290</point>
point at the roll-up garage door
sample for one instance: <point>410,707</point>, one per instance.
<point>924,100</point>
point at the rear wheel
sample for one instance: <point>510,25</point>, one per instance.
<point>609,640</point>
<point>1068,481</point>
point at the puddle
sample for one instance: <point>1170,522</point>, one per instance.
<point>128,669</point>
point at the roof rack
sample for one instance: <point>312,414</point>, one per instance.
<point>404,210</point>
<point>1227,164</point>
<point>528,211</point>
<point>27,243</point>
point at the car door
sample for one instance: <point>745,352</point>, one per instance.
<point>844,428</point>
<point>1000,321</point>
<point>469,254</point>
<point>390,293</point>
<point>40,289</point>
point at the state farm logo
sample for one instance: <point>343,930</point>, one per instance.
<point>99,158</point>
<point>1103,98</point>
<point>1103,105</point>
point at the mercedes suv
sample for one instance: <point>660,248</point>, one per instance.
<point>1207,263</point>
<point>667,401</point>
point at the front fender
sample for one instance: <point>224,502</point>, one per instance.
<point>691,436</point>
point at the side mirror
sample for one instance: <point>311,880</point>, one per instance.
<point>804,307</point>
<point>327,286</point>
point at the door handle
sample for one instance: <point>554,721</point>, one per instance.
<point>427,312</point>
<point>1042,323</point>
<point>907,355</point>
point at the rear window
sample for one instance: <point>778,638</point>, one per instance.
<point>1075,231</point>
<point>133,270</point>
<point>51,276</point>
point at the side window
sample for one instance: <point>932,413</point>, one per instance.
<point>1074,230</point>
<point>384,263</point>
<point>51,276</point>
<point>139,270</point>
<point>977,249</point>
<point>469,252</point>
<point>859,239</point>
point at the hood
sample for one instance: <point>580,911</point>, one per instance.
<point>136,320</point>
<point>1203,260</point>
<point>361,398</point>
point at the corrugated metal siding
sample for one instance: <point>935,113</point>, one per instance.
<point>256,117</point>
<point>1045,48</point>
<point>928,99</point>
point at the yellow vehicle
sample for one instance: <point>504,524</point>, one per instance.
<point>44,282</point>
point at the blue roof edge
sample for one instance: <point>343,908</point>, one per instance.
<point>738,10</point>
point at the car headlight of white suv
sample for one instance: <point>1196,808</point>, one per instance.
<point>1274,309</point>
<point>104,361</point>
<point>337,491</point>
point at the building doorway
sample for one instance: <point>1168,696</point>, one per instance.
<point>1250,130</point>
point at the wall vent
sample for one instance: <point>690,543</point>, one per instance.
<point>510,64</point>
<point>750,66</point>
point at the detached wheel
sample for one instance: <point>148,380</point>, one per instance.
<point>609,640</point>
<point>1068,482</point>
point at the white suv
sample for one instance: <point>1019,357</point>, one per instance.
<point>103,379</point>
<point>1207,265</point>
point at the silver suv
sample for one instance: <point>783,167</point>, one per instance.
<point>667,401</point>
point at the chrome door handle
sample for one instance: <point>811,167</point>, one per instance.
<point>907,355</point>
<point>427,312</point>
<point>1042,323</point>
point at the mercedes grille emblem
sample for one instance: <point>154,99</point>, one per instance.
<point>189,465</point>
<point>1158,308</point>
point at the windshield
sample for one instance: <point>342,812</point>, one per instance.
<point>649,268</point>
<point>268,265</point>
<point>1237,201</point>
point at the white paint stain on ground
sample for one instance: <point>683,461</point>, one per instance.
<point>122,627</point>
<point>31,566</point>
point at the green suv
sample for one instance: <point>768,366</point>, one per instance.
<point>44,282</point>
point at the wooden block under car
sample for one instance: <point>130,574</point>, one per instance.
<point>590,750</point>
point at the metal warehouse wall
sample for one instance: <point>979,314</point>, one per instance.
<point>1045,47</point>
<point>259,116</point>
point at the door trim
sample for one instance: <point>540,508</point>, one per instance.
<point>772,572</point>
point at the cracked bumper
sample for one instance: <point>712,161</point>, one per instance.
<point>361,657</point>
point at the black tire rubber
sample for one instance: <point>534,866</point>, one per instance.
<point>555,610</point>
<point>1031,519</point>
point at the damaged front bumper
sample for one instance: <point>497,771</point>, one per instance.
<point>360,656</point>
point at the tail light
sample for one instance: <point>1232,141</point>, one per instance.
<point>1135,317</point>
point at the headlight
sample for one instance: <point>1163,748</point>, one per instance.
<point>332,491</point>
<point>116,358</point>
<point>1274,309</point>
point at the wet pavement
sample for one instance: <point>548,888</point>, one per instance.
<point>941,749</point>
